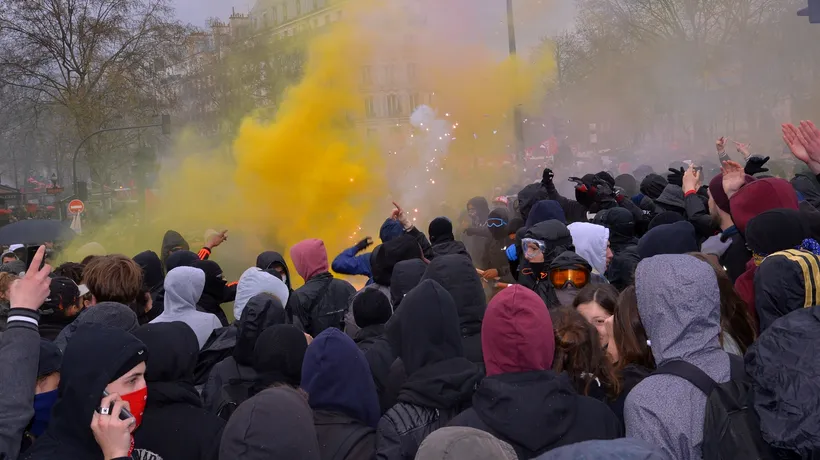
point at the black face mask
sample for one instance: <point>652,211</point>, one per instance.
<point>566,295</point>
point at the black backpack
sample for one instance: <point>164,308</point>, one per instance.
<point>731,428</point>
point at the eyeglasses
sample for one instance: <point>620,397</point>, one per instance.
<point>561,277</point>
<point>496,222</point>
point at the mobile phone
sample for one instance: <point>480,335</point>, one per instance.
<point>124,413</point>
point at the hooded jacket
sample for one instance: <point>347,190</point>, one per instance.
<point>456,443</point>
<point>183,287</point>
<point>679,306</point>
<point>255,281</point>
<point>628,183</point>
<point>653,185</point>
<point>153,280</point>
<point>521,401</point>
<point>215,292</point>
<point>282,411</point>
<point>111,314</point>
<point>19,367</point>
<point>389,254</point>
<point>557,239</point>
<point>407,274</point>
<point>784,366</point>
<point>261,312</point>
<point>174,424</point>
<point>807,184</point>
<point>781,285</point>
<point>90,363</point>
<point>759,196</point>
<point>270,259</point>
<point>440,383</point>
<point>545,210</point>
<point>458,276</point>
<point>671,199</point>
<point>180,259</point>
<point>172,242</point>
<point>677,238</point>
<point>621,225</point>
<point>323,301</point>
<point>619,449</point>
<point>278,357</point>
<point>590,242</point>
<point>341,393</point>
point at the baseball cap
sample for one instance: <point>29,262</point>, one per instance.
<point>51,358</point>
<point>63,293</point>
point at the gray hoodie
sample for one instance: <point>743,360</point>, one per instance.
<point>672,196</point>
<point>183,287</point>
<point>679,306</point>
<point>256,281</point>
<point>461,443</point>
<point>111,314</point>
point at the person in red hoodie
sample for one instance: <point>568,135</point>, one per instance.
<point>522,401</point>
<point>322,302</point>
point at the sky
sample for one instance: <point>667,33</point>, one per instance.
<point>197,11</point>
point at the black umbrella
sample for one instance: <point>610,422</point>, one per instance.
<point>35,231</point>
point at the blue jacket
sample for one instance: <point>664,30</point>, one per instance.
<point>349,263</point>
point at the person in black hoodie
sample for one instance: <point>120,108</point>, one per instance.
<point>61,308</point>
<point>440,382</point>
<point>372,310</point>
<point>341,393</point>
<point>545,241</point>
<point>174,425</point>
<point>278,356</point>
<point>406,275</point>
<point>442,238</point>
<point>262,312</point>
<point>495,264</point>
<point>522,401</point>
<point>153,284</point>
<point>216,291</point>
<point>273,263</point>
<point>457,274</point>
<point>624,245</point>
<point>97,359</point>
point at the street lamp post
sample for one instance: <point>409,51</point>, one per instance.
<point>519,127</point>
<point>165,124</point>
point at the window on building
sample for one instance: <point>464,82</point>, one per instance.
<point>367,75</point>
<point>388,74</point>
<point>411,72</point>
<point>393,105</point>
<point>369,107</point>
<point>298,7</point>
<point>415,102</point>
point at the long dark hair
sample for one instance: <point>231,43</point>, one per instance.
<point>604,295</point>
<point>578,352</point>
<point>735,318</point>
<point>629,334</point>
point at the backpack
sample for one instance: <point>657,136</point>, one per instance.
<point>325,314</point>
<point>340,446</point>
<point>731,428</point>
<point>234,392</point>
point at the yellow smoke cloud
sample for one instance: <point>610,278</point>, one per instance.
<point>309,173</point>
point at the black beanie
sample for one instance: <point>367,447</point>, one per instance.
<point>664,218</point>
<point>371,307</point>
<point>278,356</point>
<point>775,230</point>
<point>440,229</point>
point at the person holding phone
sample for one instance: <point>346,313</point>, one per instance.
<point>104,361</point>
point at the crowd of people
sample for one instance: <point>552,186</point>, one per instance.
<point>649,316</point>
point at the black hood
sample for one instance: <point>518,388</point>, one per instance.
<point>180,259</point>
<point>389,254</point>
<point>569,260</point>
<point>481,206</point>
<point>91,361</point>
<point>652,185</point>
<point>533,410</point>
<point>172,242</point>
<point>530,195</point>
<point>261,312</point>
<point>457,274</point>
<point>215,283</point>
<point>268,259</point>
<point>170,369</point>
<point>152,274</point>
<point>621,225</point>
<point>406,275</point>
<point>424,333</point>
<point>554,234</point>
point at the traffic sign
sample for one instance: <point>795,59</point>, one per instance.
<point>76,207</point>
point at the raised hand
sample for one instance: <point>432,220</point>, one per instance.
<point>811,136</point>
<point>691,179</point>
<point>733,177</point>
<point>796,142</point>
<point>31,291</point>
<point>743,149</point>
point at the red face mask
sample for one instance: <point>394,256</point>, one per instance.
<point>136,403</point>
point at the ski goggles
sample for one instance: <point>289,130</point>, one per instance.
<point>561,277</point>
<point>526,242</point>
<point>496,222</point>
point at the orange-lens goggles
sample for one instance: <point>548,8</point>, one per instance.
<point>560,278</point>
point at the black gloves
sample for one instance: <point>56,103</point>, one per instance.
<point>675,176</point>
<point>755,164</point>
<point>363,244</point>
<point>547,176</point>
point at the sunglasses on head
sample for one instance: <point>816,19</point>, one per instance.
<point>561,277</point>
<point>496,222</point>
